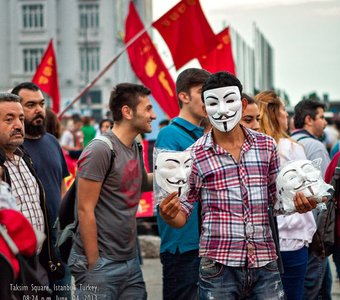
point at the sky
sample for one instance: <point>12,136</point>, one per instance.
<point>305,36</point>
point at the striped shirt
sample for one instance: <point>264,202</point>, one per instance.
<point>235,198</point>
<point>26,191</point>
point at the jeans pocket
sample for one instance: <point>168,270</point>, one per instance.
<point>272,267</point>
<point>98,264</point>
<point>210,268</point>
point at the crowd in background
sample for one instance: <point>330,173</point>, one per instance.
<point>306,136</point>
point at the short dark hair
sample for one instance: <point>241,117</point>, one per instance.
<point>25,85</point>
<point>304,108</point>
<point>249,99</point>
<point>126,94</point>
<point>221,79</point>
<point>9,97</point>
<point>190,78</point>
<point>104,121</point>
<point>164,122</point>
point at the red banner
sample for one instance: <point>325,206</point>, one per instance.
<point>46,76</point>
<point>221,58</point>
<point>186,32</point>
<point>148,65</point>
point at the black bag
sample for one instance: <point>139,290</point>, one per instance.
<point>325,236</point>
<point>67,222</point>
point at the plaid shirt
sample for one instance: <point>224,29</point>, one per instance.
<point>235,198</point>
<point>26,191</point>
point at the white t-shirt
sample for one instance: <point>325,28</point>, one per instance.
<point>296,230</point>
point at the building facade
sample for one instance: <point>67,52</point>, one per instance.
<point>86,33</point>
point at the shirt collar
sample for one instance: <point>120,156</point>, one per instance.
<point>250,137</point>
<point>186,124</point>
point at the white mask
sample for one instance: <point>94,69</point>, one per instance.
<point>224,107</point>
<point>172,170</point>
<point>299,176</point>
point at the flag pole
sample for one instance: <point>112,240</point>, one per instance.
<point>103,71</point>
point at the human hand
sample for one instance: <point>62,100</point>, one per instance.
<point>170,207</point>
<point>303,204</point>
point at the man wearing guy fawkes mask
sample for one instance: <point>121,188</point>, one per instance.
<point>48,160</point>
<point>233,176</point>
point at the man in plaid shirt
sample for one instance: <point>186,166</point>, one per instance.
<point>233,176</point>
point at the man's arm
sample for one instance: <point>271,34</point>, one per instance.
<point>88,195</point>
<point>170,211</point>
<point>63,188</point>
<point>147,183</point>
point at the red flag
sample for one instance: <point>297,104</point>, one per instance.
<point>186,32</point>
<point>46,76</point>
<point>148,65</point>
<point>221,58</point>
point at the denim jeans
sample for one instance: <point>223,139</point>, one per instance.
<point>180,275</point>
<point>316,272</point>
<point>108,279</point>
<point>218,281</point>
<point>295,267</point>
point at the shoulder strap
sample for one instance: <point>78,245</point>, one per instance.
<point>336,180</point>
<point>303,137</point>
<point>186,130</point>
<point>8,240</point>
<point>107,141</point>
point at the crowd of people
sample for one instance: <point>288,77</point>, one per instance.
<point>220,240</point>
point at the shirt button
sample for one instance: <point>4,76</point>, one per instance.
<point>250,249</point>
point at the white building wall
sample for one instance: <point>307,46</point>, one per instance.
<point>62,23</point>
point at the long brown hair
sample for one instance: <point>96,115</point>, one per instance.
<point>269,104</point>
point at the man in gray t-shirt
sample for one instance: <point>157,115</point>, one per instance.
<point>104,255</point>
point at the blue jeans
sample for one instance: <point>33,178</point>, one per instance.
<point>108,279</point>
<point>316,272</point>
<point>218,281</point>
<point>180,275</point>
<point>295,267</point>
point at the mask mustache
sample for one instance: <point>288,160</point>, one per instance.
<point>224,117</point>
<point>15,132</point>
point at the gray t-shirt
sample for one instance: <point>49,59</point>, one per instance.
<point>119,196</point>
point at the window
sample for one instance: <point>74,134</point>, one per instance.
<point>89,16</point>
<point>33,16</point>
<point>89,59</point>
<point>31,59</point>
<point>97,114</point>
<point>92,97</point>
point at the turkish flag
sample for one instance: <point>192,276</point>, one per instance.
<point>46,76</point>
<point>186,31</point>
<point>148,66</point>
<point>221,58</point>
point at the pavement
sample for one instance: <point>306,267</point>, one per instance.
<point>152,271</point>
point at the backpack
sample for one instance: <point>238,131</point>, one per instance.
<point>67,222</point>
<point>326,221</point>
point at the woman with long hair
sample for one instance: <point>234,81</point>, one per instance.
<point>295,231</point>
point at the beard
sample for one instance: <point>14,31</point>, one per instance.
<point>35,130</point>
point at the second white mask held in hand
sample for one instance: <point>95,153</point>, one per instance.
<point>171,172</point>
<point>300,176</point>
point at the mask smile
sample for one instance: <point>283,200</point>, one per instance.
<point>178,182</point>
<point>224,117</point>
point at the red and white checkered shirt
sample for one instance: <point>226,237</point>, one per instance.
<point>235,198</point>
<point>26,191</point>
